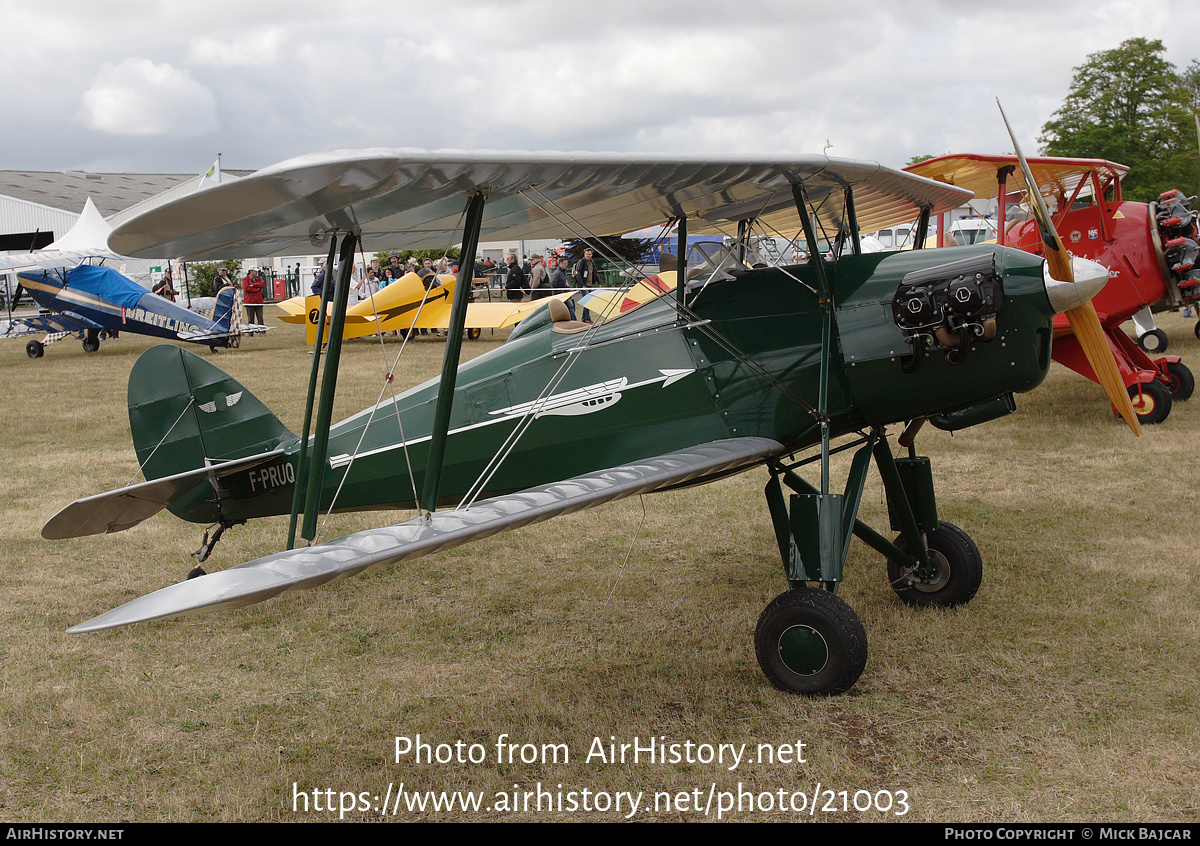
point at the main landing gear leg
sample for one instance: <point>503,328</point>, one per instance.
<point>809,641</point>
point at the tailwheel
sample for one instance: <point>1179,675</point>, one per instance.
<point>1154,341</point>
<point>1180,381</point>
<point>810,642</point>
<point>1151,402</point>
<point>952,575</point>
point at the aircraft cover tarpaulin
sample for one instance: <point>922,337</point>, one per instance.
<point>106,283</point>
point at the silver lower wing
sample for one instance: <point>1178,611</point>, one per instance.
<point>300,569</point>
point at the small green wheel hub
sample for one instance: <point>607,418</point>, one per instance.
<point>810,642</point>
<point>803,650</point>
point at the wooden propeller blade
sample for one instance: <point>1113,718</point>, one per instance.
<point>1088,331</point>
<point>1084,322</point>
<point>1056,253</point>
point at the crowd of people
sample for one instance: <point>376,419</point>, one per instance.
<point>539,280</point>
<point>536,277</point>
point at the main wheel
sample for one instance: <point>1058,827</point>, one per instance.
<point>35,349</point>
<point>954,574</point>
<point>1180,381</point>
<point>810,642</point>
<point>1152,404</point>
<point>91,341</point>
<point>473,334</point>
<point>1154,341</point>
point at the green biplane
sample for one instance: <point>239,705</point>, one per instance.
<point>735,368</point>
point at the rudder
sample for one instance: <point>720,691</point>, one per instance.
<point>226,315</point>
<point>184,413</point>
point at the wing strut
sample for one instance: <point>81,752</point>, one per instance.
<point>301,460</point>
<point>681,268</point>
<point>458,319</point>
<point>333,354</point>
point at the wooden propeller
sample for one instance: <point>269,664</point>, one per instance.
<point>1084,321</point>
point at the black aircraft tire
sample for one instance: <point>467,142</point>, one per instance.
<point>1196,330</point>
<point>958,566</point>
<point>810,642</point>
<point>91,342</point>
<point>35,349</point>
<point>473,334</point>
<point>1180,382</point>
<point>1154,404</point>
<point>1154,341</point>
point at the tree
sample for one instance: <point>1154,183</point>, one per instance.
<point>610,248</point>
<point>200,275</point>
<point>1130,105</point>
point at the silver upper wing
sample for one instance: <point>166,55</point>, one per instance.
<point>308,567</point>
<point>408,199</point>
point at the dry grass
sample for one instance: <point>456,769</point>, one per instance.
<point>1067,690</point>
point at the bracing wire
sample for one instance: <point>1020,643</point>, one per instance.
<point>388,382</point>
<point>141,467</point>
<point>628,552</point>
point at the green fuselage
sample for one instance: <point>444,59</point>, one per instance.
<point>648,383</point>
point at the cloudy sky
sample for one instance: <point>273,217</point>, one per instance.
<point>135,85</point>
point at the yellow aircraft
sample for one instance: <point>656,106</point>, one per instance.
<point>405,305</point>
<point>607,303</point>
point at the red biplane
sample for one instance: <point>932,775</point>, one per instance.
<point>1149,249</point>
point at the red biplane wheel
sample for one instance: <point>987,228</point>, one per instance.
<point>1180,381</point>
<point>810,642</point>
<point>954,573</point>
<point>1152,403</point>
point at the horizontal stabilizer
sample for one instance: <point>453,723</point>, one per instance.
<point>300,569</point>
<point>122,509</point>
<point>202,335</point>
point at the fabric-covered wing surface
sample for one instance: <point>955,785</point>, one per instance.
<point>407,199</point>
<point>308,567</point>
<point>977,172</point>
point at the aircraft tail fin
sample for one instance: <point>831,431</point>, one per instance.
<point>185,414</point>
<point>205,445</point>
<point>226,314</point>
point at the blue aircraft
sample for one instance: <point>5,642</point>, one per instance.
<point>93,302</point>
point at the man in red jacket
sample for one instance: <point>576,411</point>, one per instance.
<point>252,296</point>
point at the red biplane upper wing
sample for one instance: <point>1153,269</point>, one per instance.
<point>978,173</point>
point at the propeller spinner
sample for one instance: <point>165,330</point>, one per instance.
<point>1084,321</point>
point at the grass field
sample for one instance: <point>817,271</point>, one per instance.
<point>1067,690</point>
